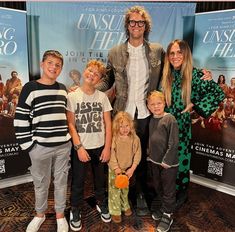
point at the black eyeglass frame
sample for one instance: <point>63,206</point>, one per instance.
<point>140,23</point>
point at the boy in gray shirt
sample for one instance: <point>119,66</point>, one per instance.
<point>163,150</point>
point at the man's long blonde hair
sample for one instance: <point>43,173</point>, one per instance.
<point>140,10</point>
<point>186,72</point>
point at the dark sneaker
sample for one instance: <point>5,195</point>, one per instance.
<point>75,219</point>
<point>141,208</point>
<point>165,223</point>
<point>157,215</point>
<point>104,212</point>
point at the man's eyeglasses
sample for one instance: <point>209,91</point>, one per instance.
<point>133,23</point>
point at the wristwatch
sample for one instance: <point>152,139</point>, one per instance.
<point>77,146</point>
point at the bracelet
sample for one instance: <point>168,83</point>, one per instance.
<point>77,146</point>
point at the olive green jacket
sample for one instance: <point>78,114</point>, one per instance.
<point>117,73</point>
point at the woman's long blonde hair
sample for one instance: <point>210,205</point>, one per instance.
<point>119,118</point>
<point>186,72</point>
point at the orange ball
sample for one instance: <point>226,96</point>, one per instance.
<point>121,181</point>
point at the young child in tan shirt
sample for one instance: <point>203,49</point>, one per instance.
<point>125,156</point>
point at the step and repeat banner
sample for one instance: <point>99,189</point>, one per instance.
<point>87,30</point>
<point>13,75</point>
<point>213,144</point>
<point>80,31</point>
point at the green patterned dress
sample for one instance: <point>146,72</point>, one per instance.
<point>206,96</point>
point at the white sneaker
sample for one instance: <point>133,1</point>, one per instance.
<point>62,225</point>
<point>35,224</point>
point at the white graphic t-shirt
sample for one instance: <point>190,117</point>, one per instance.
<point>89,121</point>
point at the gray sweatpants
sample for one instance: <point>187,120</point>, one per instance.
<point>46,161</point>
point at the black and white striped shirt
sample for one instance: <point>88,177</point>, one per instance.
<point>41,115</point>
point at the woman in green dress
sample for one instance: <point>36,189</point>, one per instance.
<point>184,89</point>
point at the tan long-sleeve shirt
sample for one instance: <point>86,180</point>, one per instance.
<point>125,152</point>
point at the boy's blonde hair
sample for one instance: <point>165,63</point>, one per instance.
<point>53,53</point>
<point>119,119</point>
<point>156,94</point>
<point>100,65</point>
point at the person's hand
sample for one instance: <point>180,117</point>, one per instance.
<point>105,155</point>
<point>188,108</point>
<point>129,172</point>
<point>83,156</point>
<point>72,88</point>
<point>118,171</point>
<point>207,75</point>
<point>166,166</point>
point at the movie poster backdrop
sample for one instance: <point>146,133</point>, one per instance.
<point>80,31</point>
<point>87,30</point>
<point>83,31</point>
<point>213,143</point>
<point>14,74</point>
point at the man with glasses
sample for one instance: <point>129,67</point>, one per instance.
<point>135,68</point>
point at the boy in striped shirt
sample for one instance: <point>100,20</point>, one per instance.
<point>41,129</point>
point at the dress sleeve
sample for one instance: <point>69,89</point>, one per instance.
<point>206,95</point>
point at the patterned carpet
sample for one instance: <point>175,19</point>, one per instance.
<point>206,210</point>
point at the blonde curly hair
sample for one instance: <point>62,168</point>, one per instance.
<point>100,66</point>
<point>120,118</point>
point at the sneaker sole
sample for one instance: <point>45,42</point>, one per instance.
<point>74,228</point>
<point>159,230</point>
<point>155,218</point>
<point>103,219</point>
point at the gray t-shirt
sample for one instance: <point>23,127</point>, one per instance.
<point>89,121</point>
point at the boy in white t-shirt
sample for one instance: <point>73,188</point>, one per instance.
<point>89,120</point>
